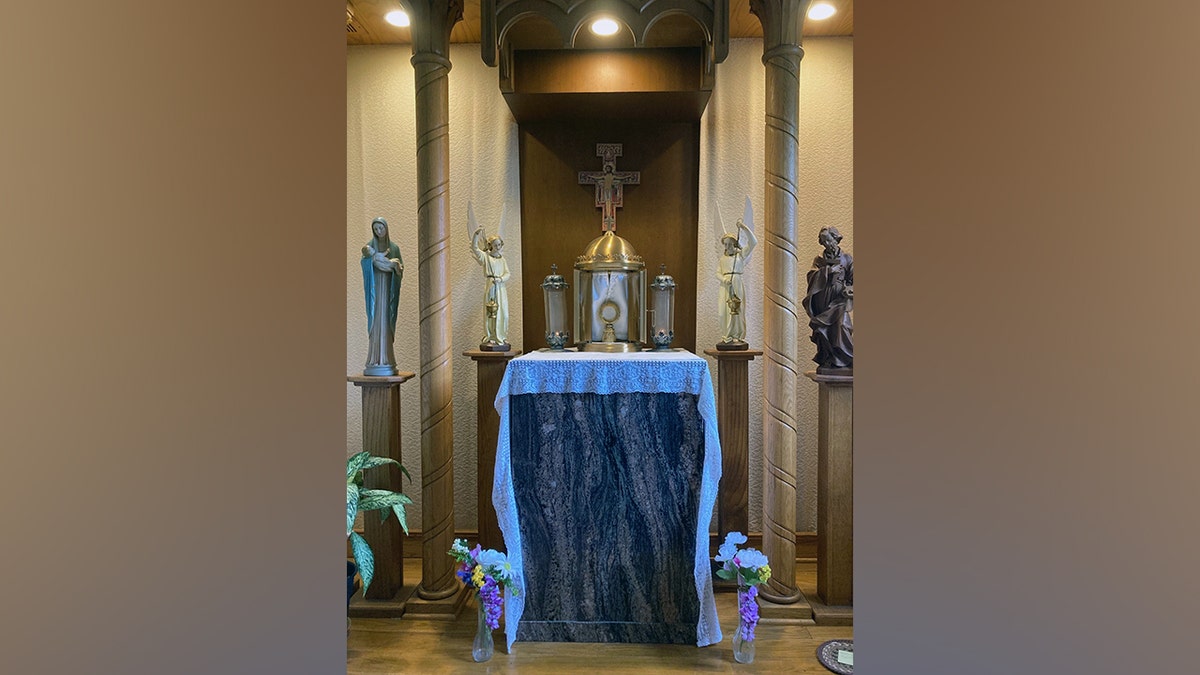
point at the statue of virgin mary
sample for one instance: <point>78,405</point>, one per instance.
<point>383,270</point>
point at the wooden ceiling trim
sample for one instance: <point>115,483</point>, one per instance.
<point>370,28</point>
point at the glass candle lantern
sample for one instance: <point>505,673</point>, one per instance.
<point>610,296</point>
<point>554,288</point>
<point>662,309</point>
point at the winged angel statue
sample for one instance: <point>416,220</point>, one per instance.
<point>488,252</point>
<point>736,248</point>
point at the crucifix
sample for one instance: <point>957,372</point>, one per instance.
<point>609,183</point>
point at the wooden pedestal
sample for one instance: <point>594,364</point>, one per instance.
<point>733,424</point>
<point>835,498</point>
<point>381,436</point>
<point>489,371</point>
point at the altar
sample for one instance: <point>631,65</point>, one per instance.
<point>606,476</point>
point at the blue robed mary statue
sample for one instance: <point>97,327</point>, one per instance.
<point>383,270</point>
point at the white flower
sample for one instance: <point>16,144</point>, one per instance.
<point>729,548</point>
<point>493,561</point>
<point>751,559</point>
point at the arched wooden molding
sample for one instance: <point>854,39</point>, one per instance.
<point>570,17</point>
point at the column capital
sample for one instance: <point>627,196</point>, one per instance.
<point>432,21</point>
<point>782,21</point>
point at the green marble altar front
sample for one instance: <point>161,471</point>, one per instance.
<point>606,475</point>
<point>608,488</point>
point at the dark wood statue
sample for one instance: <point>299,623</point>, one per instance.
<point>829,301</point>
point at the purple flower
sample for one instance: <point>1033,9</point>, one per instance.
<point>490,600</point>
<point>748,611</point>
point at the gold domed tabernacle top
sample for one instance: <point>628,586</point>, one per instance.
<point>609,252</point>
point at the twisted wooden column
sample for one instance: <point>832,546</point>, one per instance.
<point>781,21</point>
<point>431,24</point>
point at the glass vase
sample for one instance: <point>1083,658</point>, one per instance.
<point>743,637</point>
<point>483,646</point>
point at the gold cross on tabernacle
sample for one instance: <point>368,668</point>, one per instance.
<point>609,184</point>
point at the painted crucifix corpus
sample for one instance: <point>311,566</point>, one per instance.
<point>609,183</point>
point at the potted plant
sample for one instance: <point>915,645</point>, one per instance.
<point>359,499</point>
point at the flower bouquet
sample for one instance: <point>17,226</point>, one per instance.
<point>488,572</point>
<point>749,566</point>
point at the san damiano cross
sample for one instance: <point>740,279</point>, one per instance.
<point>609,184</point>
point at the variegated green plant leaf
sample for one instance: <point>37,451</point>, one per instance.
<point>369,500</point>
<point>399,511</point>
<point>351,506</point>
<point>380,461</point>
<point>355,464</point>
<point>363,558</point>
<point>375,461</point>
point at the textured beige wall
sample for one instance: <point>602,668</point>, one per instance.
<point>731,139</point>
<point>826,199</point>
<point>380,181</point>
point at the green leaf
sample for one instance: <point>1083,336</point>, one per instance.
<point>363,558</point>
<point>380,492</point>
<point>351,506</point>
<point>751,577</point>
<point>380,461</point>
<point>374,461</point>
<point>369,500</point>
<point>725,574</point>
<point>399,511</point>
<point>355,464</point>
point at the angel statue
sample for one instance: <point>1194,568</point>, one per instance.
<point>736,249</point>
<point>383,270</point>
<point>488,252</point>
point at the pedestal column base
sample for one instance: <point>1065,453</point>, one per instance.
<point>835,488</point>
<point>446,608</point>
<point>832,615</point>
<point>799,612</point>
<point>393,608</point>
<point>490,367</point>
<point>733,425</point>
<point>381,437</point>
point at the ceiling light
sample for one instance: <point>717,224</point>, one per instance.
<point>396,18</point>
<point>604,27</point>
<point>820,11</point>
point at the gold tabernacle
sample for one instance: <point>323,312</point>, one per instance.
<point>610,287</point>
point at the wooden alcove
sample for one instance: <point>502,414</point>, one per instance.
<point>645,88</point>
